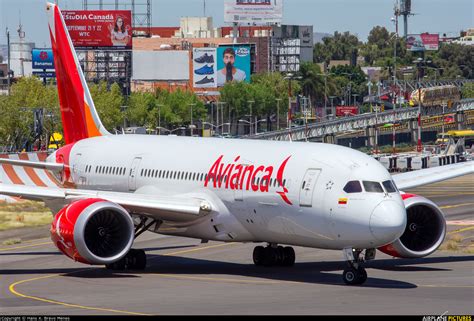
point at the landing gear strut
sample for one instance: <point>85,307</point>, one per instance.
<point>274,256</point>
<point>134,260</point>
<point>355,274</point>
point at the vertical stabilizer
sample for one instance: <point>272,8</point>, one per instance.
<point>79,116</point>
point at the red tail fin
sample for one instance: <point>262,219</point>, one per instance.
<point>79,116</point>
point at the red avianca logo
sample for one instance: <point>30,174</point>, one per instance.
<point>237,176</point>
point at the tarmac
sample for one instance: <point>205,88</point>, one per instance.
<point>185,277</point>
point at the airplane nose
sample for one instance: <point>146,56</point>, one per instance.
<point>388,221</point>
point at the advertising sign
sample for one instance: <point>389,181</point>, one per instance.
<point>233,64</point>
<point>342,111</point>
<point>204,68</point>
<point>91,29</point>
<point>423,42</point>
<point>45,74</point>
<point>253,11</point>
<point>42,59</point>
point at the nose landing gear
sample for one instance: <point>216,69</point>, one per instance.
<point>355,274</point>
<point>273,255</point>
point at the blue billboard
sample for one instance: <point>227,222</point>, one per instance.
<point>42,59</point>
<point>233,64</point>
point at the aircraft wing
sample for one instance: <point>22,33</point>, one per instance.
<point>432,175</point>
<point>172,209</point>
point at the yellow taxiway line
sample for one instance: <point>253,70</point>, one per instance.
<point>12,286</point>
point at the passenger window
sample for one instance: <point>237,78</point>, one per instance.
<point>389,187</point>
<point>353,187</point>
<point>373,187</point>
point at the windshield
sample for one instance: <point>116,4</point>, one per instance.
<point>373,187</point>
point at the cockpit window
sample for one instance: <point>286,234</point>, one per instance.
<point>389,187</point>
<point>353,187</point>
<point>373,187</point>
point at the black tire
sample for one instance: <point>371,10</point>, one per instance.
<point>258,255</point>
<point>289,256</point>
<point>116,266</point>
<point>270,257</point>
<point>362,273</point>
<point>350,276</point>
<point>280,255</point>
<point>140,260</point>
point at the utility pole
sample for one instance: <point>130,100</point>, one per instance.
<point>8,61</point>
<point>419,146</point>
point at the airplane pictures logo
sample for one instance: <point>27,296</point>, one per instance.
<point>237,176</point>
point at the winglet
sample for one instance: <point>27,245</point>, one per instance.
<point>78,113</point>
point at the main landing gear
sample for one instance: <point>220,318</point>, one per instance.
<point>355,274</point>
<point>273,255</point>
<point>134,260</point>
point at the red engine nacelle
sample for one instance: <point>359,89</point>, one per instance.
<point>93,231</point>
<point>425,231</point>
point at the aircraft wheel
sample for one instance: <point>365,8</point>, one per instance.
<point>258,255</point>
<point>289,256</point>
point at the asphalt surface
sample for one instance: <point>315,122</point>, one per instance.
<point>186,277</point>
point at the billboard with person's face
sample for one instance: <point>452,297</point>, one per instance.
<point>91,29</point>
<point>422,42</point>
<point>233,64</point>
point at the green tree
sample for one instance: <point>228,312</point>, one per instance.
<point>338,47</point>
<point>467,90</point>
<point>108,103</point>
<point>16,111</point>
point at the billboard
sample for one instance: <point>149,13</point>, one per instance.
<point>253,11</point>
<point>233,64</point>
<point>204,68</point>
<point>422,42</point>
<point>91,29</point>
<point>42,58</point>
<point>342,111</point>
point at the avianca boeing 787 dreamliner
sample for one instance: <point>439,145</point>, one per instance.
<point>115,187</point>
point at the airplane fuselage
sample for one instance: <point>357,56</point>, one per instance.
<point>279,192</point>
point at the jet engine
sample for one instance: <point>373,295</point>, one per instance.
<point>425,230</point>
<point>93,231</point>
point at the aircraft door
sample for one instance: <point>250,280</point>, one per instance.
<point>308,186</point>
<point>132,178</point>
<point>78,170</point>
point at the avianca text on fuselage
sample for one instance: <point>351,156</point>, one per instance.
<point>237,176</point>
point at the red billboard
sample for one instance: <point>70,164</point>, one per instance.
<point>91,29</point>
<point>422,42</point>
<point>342,111</point>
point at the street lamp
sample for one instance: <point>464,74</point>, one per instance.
<point>159,118</point>
<point>191,126</point>
<point>252,123</point>
<point>290,77</point>
<point>170,131</point>
<point>278,112</point>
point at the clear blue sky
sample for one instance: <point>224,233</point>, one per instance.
<point>357,16</point>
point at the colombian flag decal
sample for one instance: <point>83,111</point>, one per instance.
<point>342,201</point>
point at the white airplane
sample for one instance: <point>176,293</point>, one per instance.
<point>115,187</point>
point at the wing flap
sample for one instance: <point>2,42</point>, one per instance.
<point>173,209</point>
<point>432,175</point>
